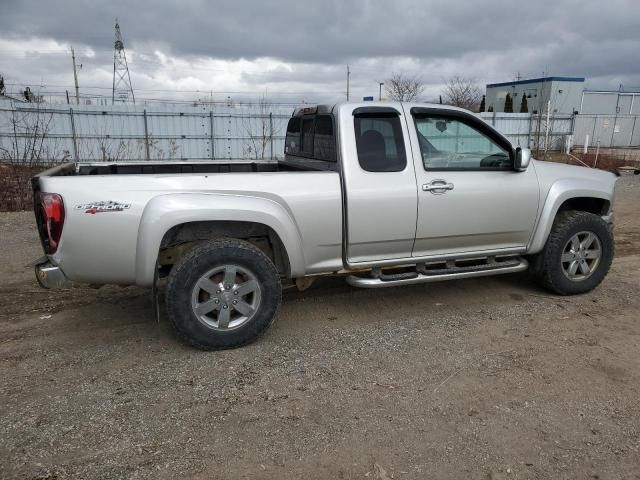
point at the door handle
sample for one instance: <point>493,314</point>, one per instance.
<point>437,187</point>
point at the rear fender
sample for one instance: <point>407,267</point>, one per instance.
<point>166,211</point>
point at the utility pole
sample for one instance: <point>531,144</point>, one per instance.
<point>380,91</point>
<point>75,76</point>
<point>348,74</point>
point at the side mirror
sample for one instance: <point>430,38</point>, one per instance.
<point>523,158</point>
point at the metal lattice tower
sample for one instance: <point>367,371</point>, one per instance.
<point>122,89</point>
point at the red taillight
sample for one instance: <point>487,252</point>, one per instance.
<point>51,217</point>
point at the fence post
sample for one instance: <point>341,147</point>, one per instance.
<point>211,137</point>
<point>73,135</point>
<point>146,134</point>
<point>633,128</point>
<point>530,127</point>
<point>546,131</point>
<point>613,130</point>
<point>271,134</point>
<point>572,132</point>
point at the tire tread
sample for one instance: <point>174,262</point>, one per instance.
<point>195,257</point>
<point>544,266</point>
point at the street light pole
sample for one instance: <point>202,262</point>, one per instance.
<point>348,75</point>
<point>380,92</point>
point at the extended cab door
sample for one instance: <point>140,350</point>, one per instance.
<point>469,196</point>
<point>379,184</point>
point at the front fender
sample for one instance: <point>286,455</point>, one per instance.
<point>166,211</point>
<point>561,191</point>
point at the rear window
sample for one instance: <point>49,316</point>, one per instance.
<point>292,141</point>
<point>306,142</point>
<point>324,142</point>
<point>311,137</point>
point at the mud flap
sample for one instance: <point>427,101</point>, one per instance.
<point>155,299</point>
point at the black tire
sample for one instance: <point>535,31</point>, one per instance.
<point>190,269</point>
<point>547,266</point>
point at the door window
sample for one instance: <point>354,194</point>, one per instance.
<point>451,144</point>
<point>380,143</point>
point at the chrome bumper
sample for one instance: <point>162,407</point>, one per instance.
<point>49,275</point>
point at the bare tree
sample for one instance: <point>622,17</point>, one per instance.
<point>462,92</point>
<point>26,151</point>
<point>261,129</point>
<point>28,144</point>
<point>403,88</point>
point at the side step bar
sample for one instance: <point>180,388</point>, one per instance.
<point>426,275</point>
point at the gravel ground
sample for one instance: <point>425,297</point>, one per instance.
<point>485,378</point>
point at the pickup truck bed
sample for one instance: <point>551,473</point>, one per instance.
<point>272,194</point>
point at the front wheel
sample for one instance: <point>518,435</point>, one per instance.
<point>223,294</point>
<point>577,255</point>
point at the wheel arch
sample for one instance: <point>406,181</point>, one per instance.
<point>569,194</point>
<point>165,216</point>
<point>183,236</point>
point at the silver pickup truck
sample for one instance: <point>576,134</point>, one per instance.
<point>386,194</point>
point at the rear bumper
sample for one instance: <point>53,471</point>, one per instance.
<point>49,275</point>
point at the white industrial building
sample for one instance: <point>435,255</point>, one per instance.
<point>610,102</point>
<point>563,94</point>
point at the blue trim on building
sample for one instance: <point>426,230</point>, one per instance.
<point>536,80</point>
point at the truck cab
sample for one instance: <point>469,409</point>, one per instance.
<point>418,181</point>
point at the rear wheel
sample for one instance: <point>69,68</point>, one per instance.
<point>577,255</point>
<point>223,294</point>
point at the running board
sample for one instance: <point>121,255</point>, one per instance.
<point>424,274</point>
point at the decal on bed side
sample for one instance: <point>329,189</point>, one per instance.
<point>103,206</point>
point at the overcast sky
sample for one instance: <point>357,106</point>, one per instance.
<point>298,50</point>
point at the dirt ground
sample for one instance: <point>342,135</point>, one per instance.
<point>486,378</point>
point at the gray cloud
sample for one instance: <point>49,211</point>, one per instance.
<point>489,40</point>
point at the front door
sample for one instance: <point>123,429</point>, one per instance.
<point>469,196</point>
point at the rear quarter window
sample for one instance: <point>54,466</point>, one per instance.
<point>380,143</point>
